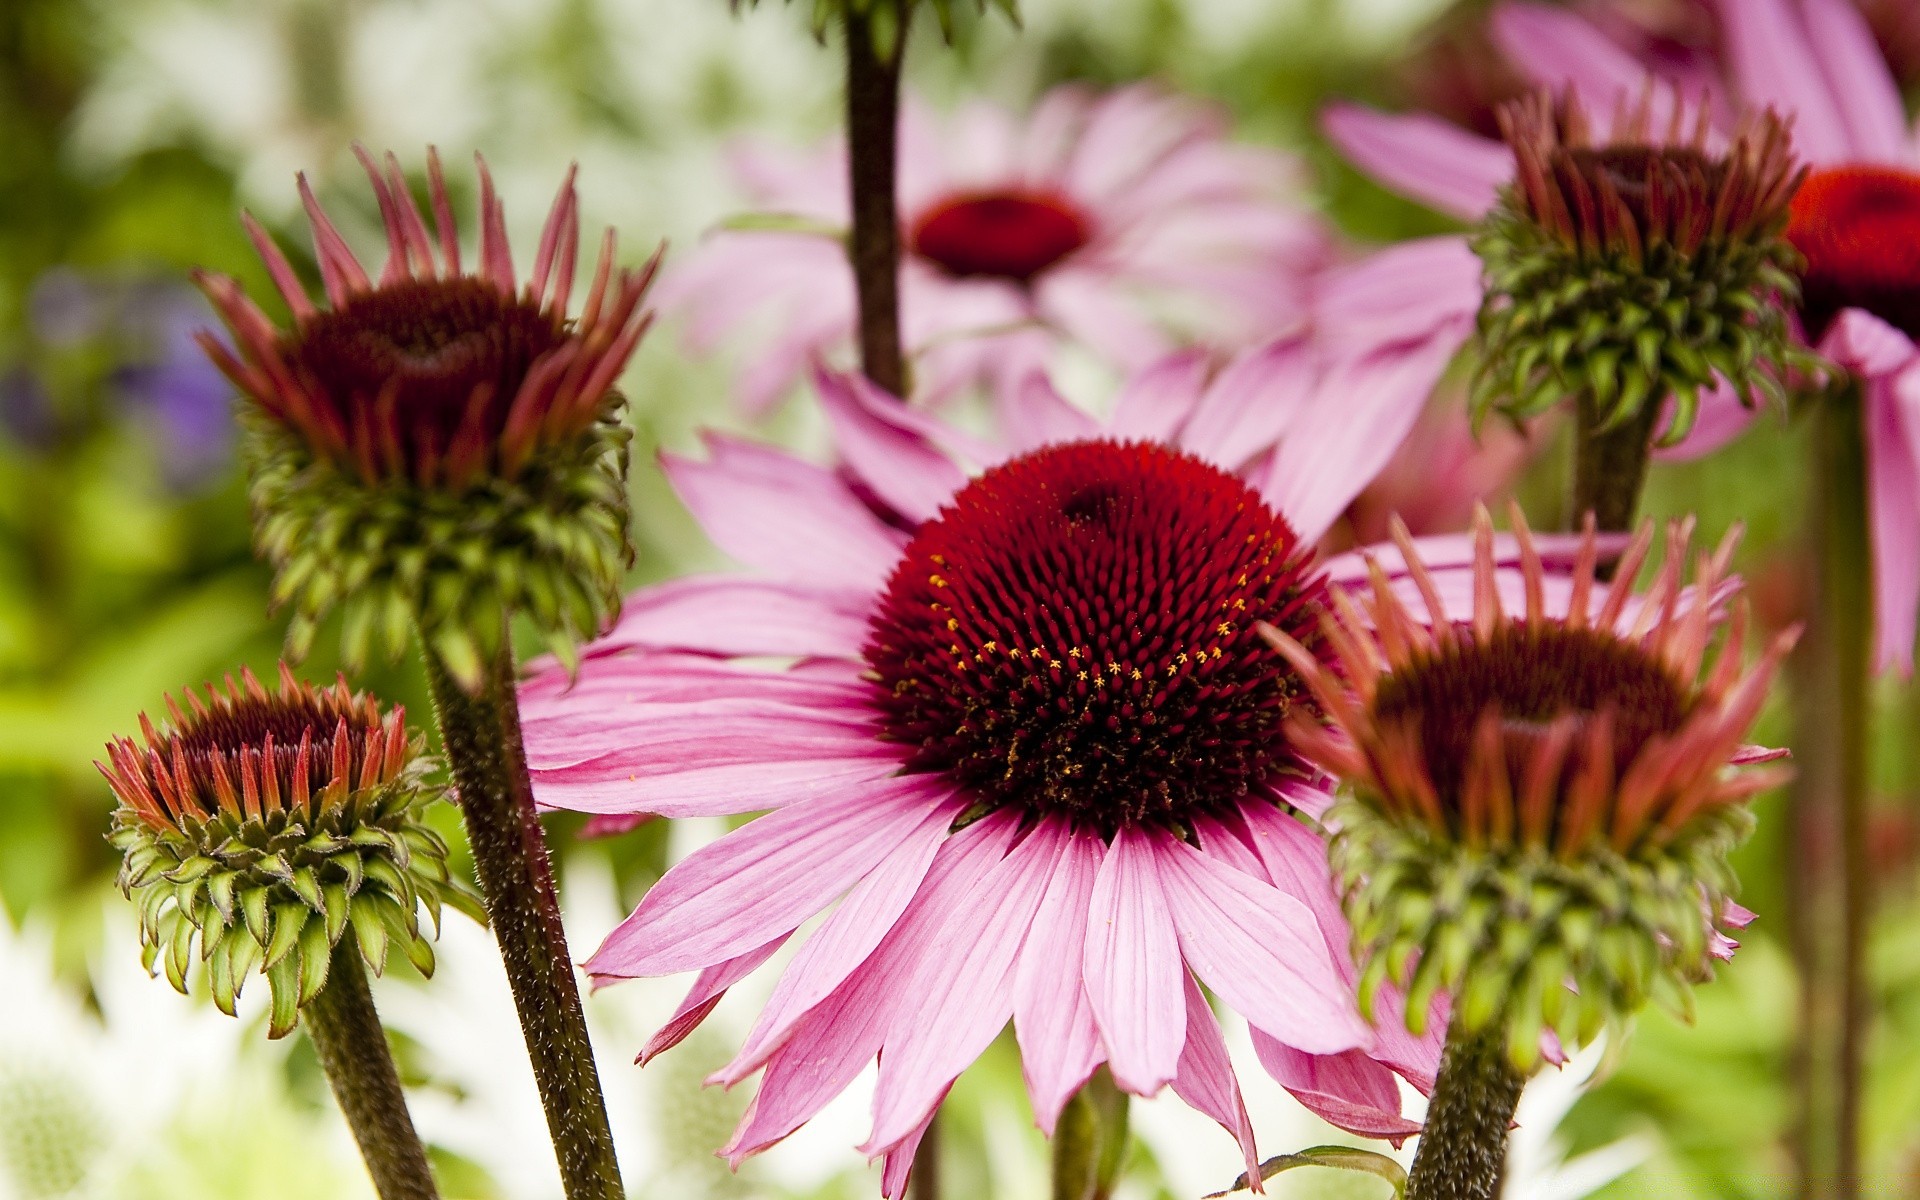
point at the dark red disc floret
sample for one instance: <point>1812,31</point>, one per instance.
<point>451,353</point>
<point>1075,634</point>
<point>1010,234</point>
<point>1859,228</point>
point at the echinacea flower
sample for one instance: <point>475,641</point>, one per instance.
<point>1637,266</point>
<point>1028,740</point>
<point>438,444</point>
<point>1815,64</point>
<point>1538,803</point>
<point>266,825</point>
<point>1109,221</point>
<point>1462,174</point>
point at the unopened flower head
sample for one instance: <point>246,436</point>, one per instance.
<point>265,824</point>
<point>1644,265</point>
<point>439,444</point>
<point>1539,805</point>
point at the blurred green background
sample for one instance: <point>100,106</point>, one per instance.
<point>131,133</point>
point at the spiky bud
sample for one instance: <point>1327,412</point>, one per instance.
<point>439,448</point>
<point>1636,266</point>
<point>264,825</point>
<point>1539,807</point>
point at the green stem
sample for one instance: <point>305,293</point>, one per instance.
<point>1830,874</point>
<point>1090,1143</point>
<point>346,1034</point>
<point>1610,465</point>
<point>481,731</point>
<point>873,131</point>
<point>924,1181</point>
<point>1463,1148</point>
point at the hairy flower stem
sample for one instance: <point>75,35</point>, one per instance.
<point>1610,465</point>
<point>1829,871</point>
<point>481,731</point>
<point>1090,1143</point>
<point>1463,1148</point>
<point>353,1052</point>
<point>873,131</point>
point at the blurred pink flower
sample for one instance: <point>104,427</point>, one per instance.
<point>1123,222</point>
<point>1857,219</point>
<point>1010,694</point>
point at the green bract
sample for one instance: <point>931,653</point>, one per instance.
<point>1635,270</point>
<point>548,541</point>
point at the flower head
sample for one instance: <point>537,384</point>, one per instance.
<point>1122,223</point>
<point>1635,266</point>
<point>438,439</point>
<point>266,824</point>
<point>1018,722</point>
<point>1539,799</point>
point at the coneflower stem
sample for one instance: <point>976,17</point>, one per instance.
<point>1610,465</point>
<point>1830,871</point>
<point>481,731</point>
<point>1090,1143</point>
<point>346,1034</point>
<point>873,130</point>
<point>1463,1147</point>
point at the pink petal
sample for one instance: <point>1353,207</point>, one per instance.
<point>1892,417</point>
<point>1040,416</point>
<point>965,981</point>
<point>898,1168</point>
<point>1348,1090</point>
<point>764,879</point>
<point>1557,50</point>
<point>707,790</point>
<point>1059,1042</point>
<point>906,471</point>
<point>844,940</point>
<point>1084,302</point>
<point>790,518</point>
<point>1867,345</point>
<point>1293,858</point>
<point>1768,44</point>
<point>1260,395</point>
<point>649,739</point>
<point>1206,1079</point>
<point>842,1034</point>
<point>1133,969</point>
<point>1156,402</point>
<point>1422,156</point>
<point>1259,949</point>
<point>1865,95</point>
<point>707,990</point>
<point>735,615</point>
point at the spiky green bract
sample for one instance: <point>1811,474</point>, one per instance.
<point>886,16</point>
<point>260,828</point>
<point>548,541</point>
<point>1634,268</point>
<point>1526,940</point>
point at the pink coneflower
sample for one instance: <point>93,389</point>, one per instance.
<point>1460,173</point>
<point>1109,221</point>
<point>1855,219</point>
<point>1029,742</point>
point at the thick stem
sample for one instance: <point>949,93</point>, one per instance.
<point>1090,1142</point>
<point>873,122</point>
<point>1610,465</point>
<point>1830,874</point>
<point>924,1182</point>
<point>346,1034</point>
<point>481,732</point>
<point>1463,1148</point>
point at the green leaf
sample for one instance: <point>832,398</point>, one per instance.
<point>1344,1158</point>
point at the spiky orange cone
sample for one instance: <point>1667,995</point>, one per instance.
<point>1538,806</point>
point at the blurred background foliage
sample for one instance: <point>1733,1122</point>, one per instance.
<point>131,132</point>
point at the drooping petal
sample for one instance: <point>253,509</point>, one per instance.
<point>1059,1041</point>
<point>1133,968</point>
<point>1349,1090</point>
<point>1259,949</point>
<point>905,470</point>
<point>1206,1079</point>
<point>706,993</point>
<point>764,879</point>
